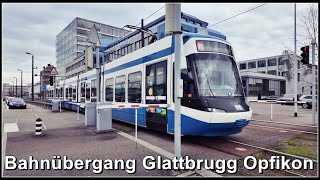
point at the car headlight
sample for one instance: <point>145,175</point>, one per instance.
<point>23,104</point>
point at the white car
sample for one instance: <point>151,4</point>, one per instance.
<point>306,101</point>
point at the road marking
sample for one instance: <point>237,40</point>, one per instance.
<point>202,172</point>
<point>10,127</point>
<point>4,143</point>
<point>44,126</point>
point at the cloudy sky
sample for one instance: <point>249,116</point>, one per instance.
<point>265,31</point>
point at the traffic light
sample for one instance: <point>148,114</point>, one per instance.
<point>51,81</point>
<point>305,55</point>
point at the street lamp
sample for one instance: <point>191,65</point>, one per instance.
<point>32,88</point>
<point>12,88</point>
<point>16,86</point>
<point>21,82</point>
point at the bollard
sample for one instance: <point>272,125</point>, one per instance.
<point>38,127</point>
<point>60,106</point>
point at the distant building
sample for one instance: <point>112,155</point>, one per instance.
<point>10,90</point>
<point>273,75</point>
<point>45,77</point>
<point>71,41</point>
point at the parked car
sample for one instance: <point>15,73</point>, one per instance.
<point>288,98</point>
<point>17,103</point>
<point>271,98</point>
<point>8,100</point>
<point>304,98</point>
<point>306,101</point>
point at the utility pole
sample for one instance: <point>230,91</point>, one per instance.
<point>98,71</point>
<point>295,88</point>
<point>16,88</point>
<point>21,82</point>
<point>173,26</point>
<point>313,43</point>
<point>32,83</point>
<point>12,88</point>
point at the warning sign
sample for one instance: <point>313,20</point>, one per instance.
<point>54,72</point>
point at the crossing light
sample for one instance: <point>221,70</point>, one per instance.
<point>305,55</point>
<point>51,81</point>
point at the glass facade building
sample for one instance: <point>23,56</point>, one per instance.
<point>71,41</point>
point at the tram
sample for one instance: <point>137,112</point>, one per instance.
<point>213,102</point>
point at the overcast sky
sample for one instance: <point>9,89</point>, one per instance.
<point>262,32</point>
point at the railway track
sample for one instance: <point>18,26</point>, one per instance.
<point>284,126</point>
<point>216,146</point>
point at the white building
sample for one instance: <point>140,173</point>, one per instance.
<point>274,75</point>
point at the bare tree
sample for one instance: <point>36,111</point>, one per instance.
<point>310,22</point>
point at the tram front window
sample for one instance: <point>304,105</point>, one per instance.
<point>215,75</point>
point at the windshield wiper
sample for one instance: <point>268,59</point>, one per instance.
<point>209,87</point>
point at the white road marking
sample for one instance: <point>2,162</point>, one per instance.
<point>10,127</point>
<point>202,172</point>
<point>44,126</point>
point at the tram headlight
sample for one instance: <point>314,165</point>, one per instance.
<point>215,110</point>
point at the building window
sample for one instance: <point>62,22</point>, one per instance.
<point>252,65</point>
<point>109,89</point>
<point>243,66</point>
<point>120,91</point>
<point>302,89</point>
<point>298,77</point>
<point>262,63</point>
<point>134,87</point>
<point>273,72</point>
<point>298,64</point>
<point>272,62</point>
<point>280,61</point>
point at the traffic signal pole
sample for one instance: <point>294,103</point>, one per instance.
<point>295,67</point>
<point>313,43</point>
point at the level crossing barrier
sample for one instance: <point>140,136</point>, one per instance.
<point>134,106</point>
<point>275,102</point>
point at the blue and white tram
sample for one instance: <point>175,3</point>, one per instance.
<point>213,102</point>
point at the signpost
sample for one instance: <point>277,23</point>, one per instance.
<point>53,73</point>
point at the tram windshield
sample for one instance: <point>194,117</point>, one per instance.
<point>215,75</point>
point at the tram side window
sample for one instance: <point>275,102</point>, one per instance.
<point>74,93</point>
<point>189,90</point>
<point>120,92</point>
<point>88,92</point>
<point>67,93</point>
<point>70,92</point>
<point>93,91</point>
<point>82,91</point>
<point>134,87</point>
<point>61,93</point>
<point>156,83</point>
<point>109,89</point>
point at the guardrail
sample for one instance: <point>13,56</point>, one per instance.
<point>41,104</point>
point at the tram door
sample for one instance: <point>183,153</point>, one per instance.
<point>156,93</point>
